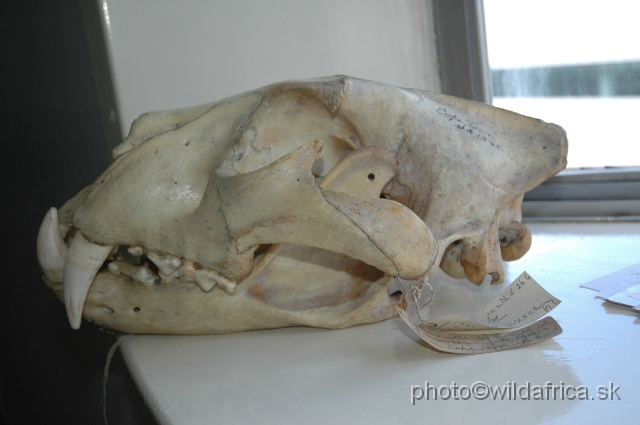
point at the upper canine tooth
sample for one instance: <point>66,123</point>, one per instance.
<point>51,247</point>
<point>83,261</point>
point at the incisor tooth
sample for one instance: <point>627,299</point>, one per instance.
<point>51,247</point>
<point>83,261</point>
<point>64,229</point>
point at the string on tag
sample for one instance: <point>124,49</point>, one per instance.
<point>105,376</point>
<point>412,296</point>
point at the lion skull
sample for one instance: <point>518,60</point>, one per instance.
<point>295,204</point>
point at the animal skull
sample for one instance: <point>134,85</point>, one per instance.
<point>295,204</point>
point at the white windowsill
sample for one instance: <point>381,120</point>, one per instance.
<point>364,374</point>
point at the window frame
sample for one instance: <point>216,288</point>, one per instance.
<point>602,194</point>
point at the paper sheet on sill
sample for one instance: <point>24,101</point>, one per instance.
<point>620,287</point>
<point>613,283</point>
<point>629,297</point>
<point>511,320</point>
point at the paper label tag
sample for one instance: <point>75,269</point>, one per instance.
<point>510,321</point>
<point>473,343</point>
<point>520,304</point>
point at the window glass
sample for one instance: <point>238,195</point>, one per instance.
<point>573,63</point>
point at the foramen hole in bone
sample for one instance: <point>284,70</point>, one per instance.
<point>295,204</point>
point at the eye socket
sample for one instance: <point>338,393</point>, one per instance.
<point>136,309</point>
<point>371,176</point>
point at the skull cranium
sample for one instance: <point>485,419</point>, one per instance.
<point>295,204</point>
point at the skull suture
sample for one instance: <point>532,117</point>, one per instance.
<point>295,204</point>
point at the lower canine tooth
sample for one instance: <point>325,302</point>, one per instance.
<point>83,261</point>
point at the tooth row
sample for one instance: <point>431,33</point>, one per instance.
<point>171,268</point>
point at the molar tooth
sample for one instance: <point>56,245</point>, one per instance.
<point>113,268</point>
<point>226,284</point>
<point>140,273</point>
<point>165,280</point>
<point>136,250</point>
<point>167,264</point>
<point>144,275</point>
<point>51,247</point>
<point>168,278</point>
<point>82,262</point>
<point>188,271</point>
<point>205,278</point>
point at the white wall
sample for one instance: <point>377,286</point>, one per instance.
<point>171,54</point>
